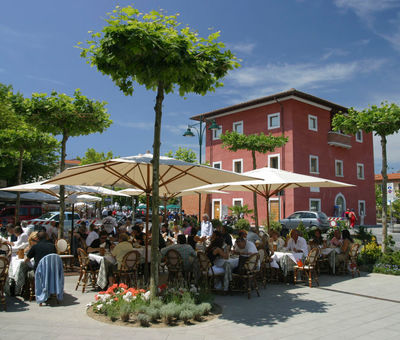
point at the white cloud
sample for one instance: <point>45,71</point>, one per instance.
<point>303,75</point>
<point>245,48</point>
<point>175,129</point>
<point>53,81</point>
<point>365,8</point>
<point>334,52</point>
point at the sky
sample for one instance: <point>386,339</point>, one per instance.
<point>344,51</point>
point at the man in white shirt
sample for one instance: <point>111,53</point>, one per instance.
<point>22,239</point>
<point>109,223</point>
<point>297,243</point>
<point>93,235</point>
<point>244,247</point>
<point>206,227</point>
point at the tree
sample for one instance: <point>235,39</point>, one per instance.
<point>239,211</point>
<point>18,138</point>
<point>383,121</point>
<point>151,50</point>
<point>261,143</point>
<point>92,156</point>
<point>67,116</point>
<point>183,154</point>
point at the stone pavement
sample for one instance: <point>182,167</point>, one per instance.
<point>341,308</point>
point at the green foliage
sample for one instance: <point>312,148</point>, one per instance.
<point>363,235</point>
<point>183,154</point>
<point>242,224</point>
<point>389,244</point>
<point>262,143</point>
<point>305,232</point>
<point>92,156</point>
<point>239,210</point>
<point>216,223</point>
<point>370,253</point>
<point>143,319</point>
<point>159,51</point>
<point>389,263</point>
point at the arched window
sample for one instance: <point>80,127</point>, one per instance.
<point>340,205</point>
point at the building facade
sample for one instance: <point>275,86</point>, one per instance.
<point>313,149</point>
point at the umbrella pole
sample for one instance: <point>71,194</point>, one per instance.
<point>72,226</point>
<point>146,269</point>
<point>199,209</point>
<point>267,200</point>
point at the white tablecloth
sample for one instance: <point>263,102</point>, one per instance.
<point>14,267</point>
<point>327,251</point>
<point>98,258</point>
<point>281,258</point>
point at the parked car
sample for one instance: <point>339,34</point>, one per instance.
<point>55,216</point>
<point>26,212</point>
<point>308,218</point>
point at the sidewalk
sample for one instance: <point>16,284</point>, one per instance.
<point>341,308</point>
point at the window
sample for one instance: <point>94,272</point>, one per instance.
<point>361,208</point>
<point>216,133</point>
<point>339,168</point>
<point>315,204</point>
<point>238,127</point>
<point>274,161</point>
<point>314,189</point>
<point>23,211</point>
<point>237,202</point>
<point>217,165</point>
<point>359,136</point>
<point>312,123</point>
<point>360,171</point>
<point>237,165</point>
<point>274,120</point>
<point>314,166</point>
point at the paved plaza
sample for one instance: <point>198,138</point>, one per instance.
<point>367,307</point>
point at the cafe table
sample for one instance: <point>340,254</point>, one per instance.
<point>330,253</point>
<point>285,260</point>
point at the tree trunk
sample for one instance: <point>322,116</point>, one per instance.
<point>155,229</point>
<point>19,180</point>
<point>253,155</point>
<point>62,188</point>
<point>384,192</point>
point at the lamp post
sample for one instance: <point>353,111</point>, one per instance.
<point>200,129</point>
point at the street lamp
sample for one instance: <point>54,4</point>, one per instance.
<point>200,129</point>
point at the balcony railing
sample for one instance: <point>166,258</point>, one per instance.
<point>339,139</point>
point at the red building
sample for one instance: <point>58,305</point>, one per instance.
<point>313,149</point>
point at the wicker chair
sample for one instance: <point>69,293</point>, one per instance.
<point>352,264</point>
<point>3,277</point>
<point>245,280</point>
<point>309,267</point>
<point>174,264</point>
<point>128,272</point>
<point>206,270</point>
<point>85,270</point>
<point>6,250</point>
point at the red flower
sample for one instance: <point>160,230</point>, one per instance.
<point>115,299</point>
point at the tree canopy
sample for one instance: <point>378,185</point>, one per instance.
<point>260,142</point>
<point>153,50</point>
<point>382,120</point>
<point>92,156</point>
<point>183,154</point>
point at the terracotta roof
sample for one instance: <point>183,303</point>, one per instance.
<point>391,177</point>
<point>73,161</point>
<point>291,92</point>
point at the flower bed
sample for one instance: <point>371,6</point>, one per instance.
<point>173,305</point>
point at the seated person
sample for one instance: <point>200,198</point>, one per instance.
<point>226,236</point>
<point>52,230</point>
<point>32,239</point>
<point>276,242</point>
<point>11,232</point>
<point>244,247</point>
<point>93,235</point>
<point>317,240</point>
<point>242,234</point>
<point>22,239</point>
<point>138,235</point>
<point>336,241</point>
<point>215,251</point>
<point>186,251</point>
<point>192,238</point>
<point>252,235</point>
<point>122,248</point>
<point>101,242</point>
<point>42,248</point>
<point>297,243</point>
<point>345,248</point>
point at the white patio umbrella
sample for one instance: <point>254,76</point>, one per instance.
<point>136,172</point>
<point>273,181</point>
